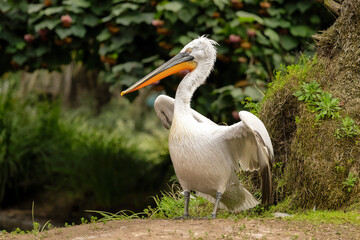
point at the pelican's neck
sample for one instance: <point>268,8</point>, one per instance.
<point>188,86</point>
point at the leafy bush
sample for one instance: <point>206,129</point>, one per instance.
<point>108,166</point>
<point>41,149</point>
<point>28,140</point>
<point>113,36</point>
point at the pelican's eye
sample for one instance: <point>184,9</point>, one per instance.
<point>188,50</point>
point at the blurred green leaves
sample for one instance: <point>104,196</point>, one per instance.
<point>254,37</point>
<point>246,17</point>
<point>100,160</point>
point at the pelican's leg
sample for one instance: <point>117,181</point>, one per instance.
<point>218,198</point>
<point>187,200</point>
<point>186,209</point>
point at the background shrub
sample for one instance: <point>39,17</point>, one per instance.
<point>126,40</point>
<point>45,149</point>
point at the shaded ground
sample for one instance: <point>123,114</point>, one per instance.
<point>199,229</point>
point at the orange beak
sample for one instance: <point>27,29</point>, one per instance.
<point>182,61</point>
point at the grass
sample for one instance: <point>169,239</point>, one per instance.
<point>107,216</point>
<point>328,217</point>
<point>259,212</point>
<point>171,204</point>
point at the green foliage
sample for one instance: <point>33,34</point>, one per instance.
<point>306,145</point>
<point>350,181</point>
<point>126,39</point>
<point>320,102</point>
<point>252,106</point>
<point>309,92</point>
<point>40,148</point>
<point>28,139</point>
<point>331,217</point>
<point>18,231</point>
<point>326,106</point>
<point>171,205</point>
<point>285,73</point>
<point>347,128</point>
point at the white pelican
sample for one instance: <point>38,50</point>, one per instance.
<point>206,156</point>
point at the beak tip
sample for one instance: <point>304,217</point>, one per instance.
<point>122,93</point>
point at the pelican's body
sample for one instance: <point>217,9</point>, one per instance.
<point>206,156</point>
<point>204,164</point>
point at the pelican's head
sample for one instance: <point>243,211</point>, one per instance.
<point>199,52</point>
<point>202,49</point>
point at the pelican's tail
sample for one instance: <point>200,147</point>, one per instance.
<point>235,199</point>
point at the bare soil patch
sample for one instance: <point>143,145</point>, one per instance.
<point>270,229</point>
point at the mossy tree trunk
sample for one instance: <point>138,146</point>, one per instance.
<point>313,167</point>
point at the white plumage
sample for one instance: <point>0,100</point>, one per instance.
<point>207,156</point>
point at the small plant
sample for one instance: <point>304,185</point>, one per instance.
<point>347,128</point>
<point>350,181</point>
<point>18,231</point>
<point>327,106</point>
<point>93,219</point>
<point>69,225</point>
<point>252,106</point>
<point>309,92</point>
<point>84,221</point>
<point>323,103</point>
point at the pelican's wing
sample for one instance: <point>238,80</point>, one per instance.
<point>164,108</point>
<point>251,147</point>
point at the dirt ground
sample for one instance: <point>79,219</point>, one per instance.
<point>269,229</point>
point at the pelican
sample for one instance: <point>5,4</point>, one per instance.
<point>207,156</point>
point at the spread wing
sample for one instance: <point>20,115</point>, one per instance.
<point>250,146</point>
<point>164,108</point>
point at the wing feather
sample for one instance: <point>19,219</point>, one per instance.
<point>250,146</point>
